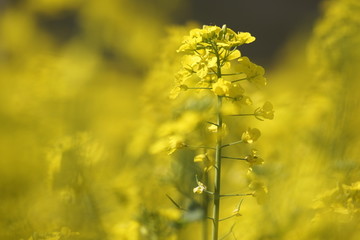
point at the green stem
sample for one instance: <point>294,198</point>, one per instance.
<point>217,183</point>
<point>206,210</point>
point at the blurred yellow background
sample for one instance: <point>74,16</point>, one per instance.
<point>84,91</point>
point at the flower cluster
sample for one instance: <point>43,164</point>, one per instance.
<point>210,51</point>
<point>212,63</point>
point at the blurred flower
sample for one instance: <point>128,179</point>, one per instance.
<point>206,160</point>
<point>175,142</point>
<point>253,158</point>
<point>260,191</point>
<point>254,73</point>
<point>266,111</point>
<point>200,157</point>
<point>200,63</point>
<point>174,93</point>
<point>221,87</point>
<point>214,128</point>
<point>127,230</point>
<point>250,135</point>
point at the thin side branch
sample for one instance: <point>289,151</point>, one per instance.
<point>241,115</point>
<point>230,144</point>
<point>237,195</point>
<point>231,74</point>
<point>175,203</point>
<point>212,123</point>
<point>223,219</point>
<point>234,158</point>
<point>230,232</point>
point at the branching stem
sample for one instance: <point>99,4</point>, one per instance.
<point>217,183</point>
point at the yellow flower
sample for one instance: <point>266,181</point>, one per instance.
<point>231,39</point>
<point>200,188</point>
<point>221,87</point>
<point>227,56</point>
<point>254,73</point>
<point>200,157</point>
<point>199,63</point>
<point>190,42</point>
<point>210,32</point>
<point>266,111</point>
<point>260,191</point>
<point>226,88</point>
<point>174,93</point>
<point>205,160</point>
<point>182,75</point>
<point>214,129</point>
<point>253,158</point>
<point>246,100</point>
<point>230,55</point>
<point>251,135</point>
<point>159,146</point>
<point>235,91</point>
<point>245,37</point>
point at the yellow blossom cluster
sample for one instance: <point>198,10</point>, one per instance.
<point>210,50</point>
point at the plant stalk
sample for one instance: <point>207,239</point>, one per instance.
<point>217,180</point>
<point>205,229</point>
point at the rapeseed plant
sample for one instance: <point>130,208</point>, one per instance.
<point>214,68</point>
